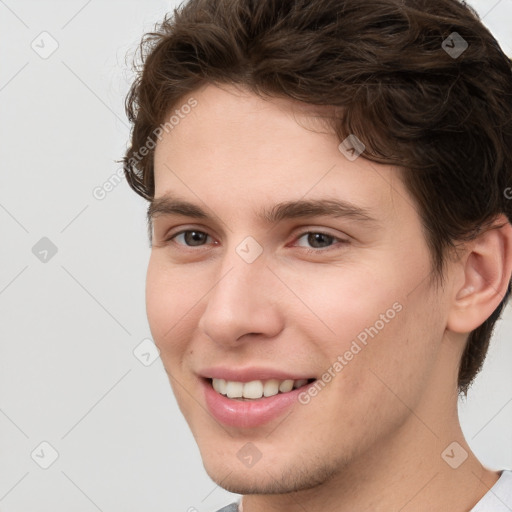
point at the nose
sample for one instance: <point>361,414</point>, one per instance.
<point>243,303</point>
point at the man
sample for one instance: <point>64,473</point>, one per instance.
<point>331,244</point>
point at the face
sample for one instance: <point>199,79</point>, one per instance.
<point>288,292</point>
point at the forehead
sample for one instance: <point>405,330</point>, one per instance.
<point>230,118</point>
<point>241,150</point>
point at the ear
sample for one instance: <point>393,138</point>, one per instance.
<point>485,274</point>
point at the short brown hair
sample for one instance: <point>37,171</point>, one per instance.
<point>444,117</point>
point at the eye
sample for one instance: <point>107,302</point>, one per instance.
<point>312,241</point>
<point>317,240</point>
<point>190,238</point>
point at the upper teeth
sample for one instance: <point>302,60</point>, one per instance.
<point>255,388</point>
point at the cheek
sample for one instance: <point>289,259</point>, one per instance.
<point>379,319</point>
<point>171,317</point>
<point>342,302</point>
<point>170,301</point>
<point>398,358</point>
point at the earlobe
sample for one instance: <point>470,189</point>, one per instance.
<point>487,269</point>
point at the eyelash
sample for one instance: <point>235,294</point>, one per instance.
<point>298,237</point>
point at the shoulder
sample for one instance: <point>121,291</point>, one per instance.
<point>230,508</point>
<point>499,497</point>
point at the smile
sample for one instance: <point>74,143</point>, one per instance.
<point>256,389</point>
<point>253,403</point>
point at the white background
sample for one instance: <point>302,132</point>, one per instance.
<point>68,327</point>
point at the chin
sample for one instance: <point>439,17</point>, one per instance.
<point>268,477</point>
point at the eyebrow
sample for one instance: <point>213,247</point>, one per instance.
<point>170,205</point>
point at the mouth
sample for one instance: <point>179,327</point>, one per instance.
<point>254,403</point>
<point>256,389</point>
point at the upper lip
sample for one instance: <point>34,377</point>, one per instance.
<point>249,374</point>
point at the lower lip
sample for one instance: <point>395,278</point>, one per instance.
<point>248,414</point>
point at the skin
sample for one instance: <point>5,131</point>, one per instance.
<point>372,439</point>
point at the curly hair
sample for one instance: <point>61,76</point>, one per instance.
<point>422,83</point>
